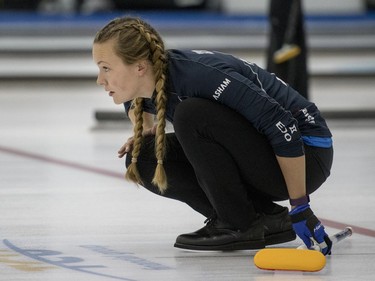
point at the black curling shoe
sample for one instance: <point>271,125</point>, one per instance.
<point>218,236</point>
<point>278,228</point>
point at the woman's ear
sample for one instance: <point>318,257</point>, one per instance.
<point>142,67</point>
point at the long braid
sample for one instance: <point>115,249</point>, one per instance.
<point>160,177</point>
<point>132,172</point>
<point>136,40</point>
<point>159,60</point>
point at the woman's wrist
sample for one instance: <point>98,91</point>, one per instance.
<point>299,201</point>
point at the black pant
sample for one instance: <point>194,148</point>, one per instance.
<point>217,162</point>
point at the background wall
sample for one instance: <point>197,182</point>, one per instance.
<point>311,6</point>
<point>230,6</point>
<point>56,43</point>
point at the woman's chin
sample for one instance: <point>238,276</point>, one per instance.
<point>118,101</point>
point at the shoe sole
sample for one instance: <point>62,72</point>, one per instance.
<point>236,246</point>
<point>281,237</point>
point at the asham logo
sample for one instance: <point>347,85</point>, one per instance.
<point>221,88</point>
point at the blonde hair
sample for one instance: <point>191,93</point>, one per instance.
<point>136,40</point>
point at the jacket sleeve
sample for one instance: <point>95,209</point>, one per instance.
<point>263,112</point>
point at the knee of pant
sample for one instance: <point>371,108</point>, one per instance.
<point>128,159</point>
<point>146,153</point>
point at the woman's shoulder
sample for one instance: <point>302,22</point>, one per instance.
<point>184,53</point>
<point>203,59</point>
<point>202,56</point>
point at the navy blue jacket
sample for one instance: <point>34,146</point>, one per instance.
<point>271,106</point>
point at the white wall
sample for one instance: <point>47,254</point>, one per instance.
<point>310,6</point>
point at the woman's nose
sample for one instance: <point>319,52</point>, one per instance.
<point>99,81</point>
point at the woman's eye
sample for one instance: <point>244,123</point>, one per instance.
<point>106,69</point>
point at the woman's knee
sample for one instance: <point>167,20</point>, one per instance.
<point>146,153</point>
<point>128,159</point>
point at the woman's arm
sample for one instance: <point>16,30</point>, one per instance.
<point>306,225</point>
<point>148,119</point>
<point>294,172</point>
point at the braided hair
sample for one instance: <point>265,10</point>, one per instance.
<point>136,40</point>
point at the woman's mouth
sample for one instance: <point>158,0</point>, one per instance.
<point>111,93</point>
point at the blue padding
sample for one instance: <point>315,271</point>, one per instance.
<point>159,17</point>
<point>317,141</point>
<point>173,18</point>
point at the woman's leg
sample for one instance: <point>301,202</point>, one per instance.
<point>183,186</point>
<point>318,166</point>
<point>229,157</point>
<point>234,162</point>
<point>182,182</point>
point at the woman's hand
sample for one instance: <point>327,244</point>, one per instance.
<point>129,143</point>
<point>125,148</point>
<point>309,228</point>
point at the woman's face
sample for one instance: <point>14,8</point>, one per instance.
<point>123,82</point>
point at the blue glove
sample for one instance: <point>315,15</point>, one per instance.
<point>308,227</point>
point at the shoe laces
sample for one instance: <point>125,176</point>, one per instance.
<point>211,220</point>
